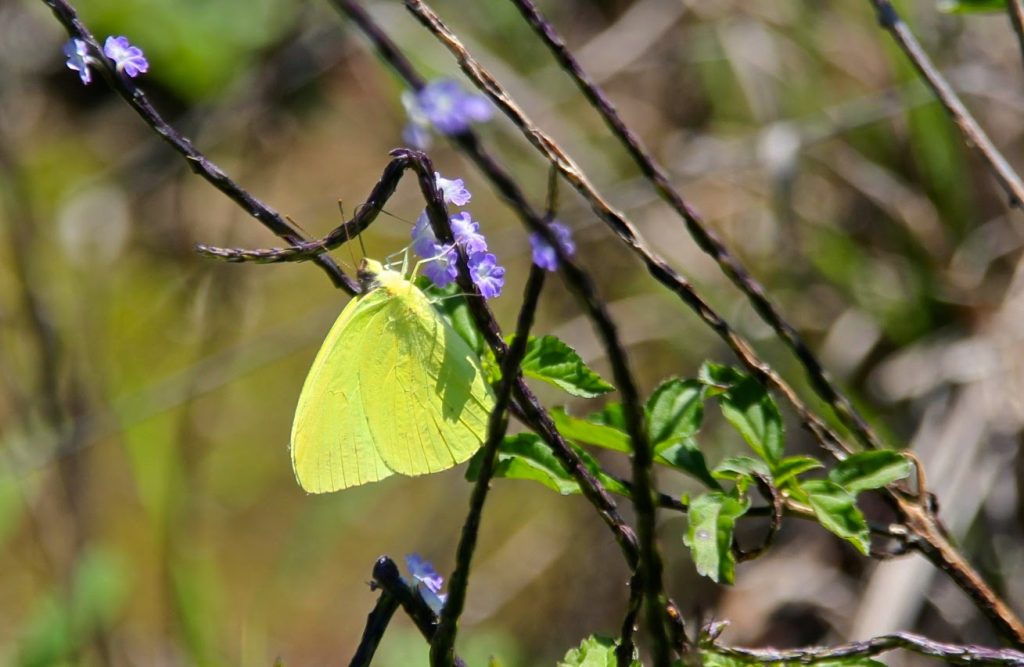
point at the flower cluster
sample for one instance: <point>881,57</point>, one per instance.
<point>428,581</point>
<point>439,263</point>
<point>544,254</point>
<point>128,59</point>
<point>444,106</point>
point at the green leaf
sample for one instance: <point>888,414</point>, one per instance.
<point>718,378</point>
<point>748,407</point>
<point>870,470</point>
<point>591,432</point>
<point>552,361</point>
<point>752,412</point>
<point>687,457</point>
<point>711,658</point>
<point>734,467</point>
<point>527,456</point>
<point>792,466</point>
<point>970,6</point>
<point>836,510</point>
<point>712,517</point>
<point>674,412</point>
<point>595,651</point>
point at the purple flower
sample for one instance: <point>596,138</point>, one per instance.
<point>442,269</point>
<point>424,243</point>
<point>488,276</point>
<point>128,59</point>
<point>454,191</point>
<point>445,106</point>
<point>428,581</point>
<point>544,255</point>
<point>467,233</point>
<point>77,53</point>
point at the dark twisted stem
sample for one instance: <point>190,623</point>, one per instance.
<point>196,160</point>
<point>387,577</point>
<point>442,648</point>
<point>376,624</point>
<point>624,652</point>
<point>1010,181</point>
<point>952,653</point>
<point>364,215</point>
<point>777,507</point>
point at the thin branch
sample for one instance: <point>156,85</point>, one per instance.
<point>197,162</point>
<point>624,652</point>
<point>376,624</point>
<point>1010,181</point>
<point>705,238</point>
<point>953,653</point>
<point>442,648</point>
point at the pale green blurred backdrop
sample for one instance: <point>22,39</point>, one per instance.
<point>148,513</point>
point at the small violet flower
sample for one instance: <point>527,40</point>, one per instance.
<point>454,191</point>
<point>443,105</point>
<point>77,53</point>
<point>488,276</point>
<point>467,233</point>
<point>544,254</point>
<point>128,59</point>
<point>428,581</point>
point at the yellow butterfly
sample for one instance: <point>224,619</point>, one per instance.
<point>393,389</point>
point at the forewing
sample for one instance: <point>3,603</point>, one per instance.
<point>331,444</point>
<point>438,402</point>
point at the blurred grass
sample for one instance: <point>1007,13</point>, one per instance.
<point>155,519</point>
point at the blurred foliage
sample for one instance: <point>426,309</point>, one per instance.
<point>148,514</point>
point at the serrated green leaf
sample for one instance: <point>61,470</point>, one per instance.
<point>734,467</point>
<point>527,456</point>
<point>870,470</point>
<point>674,412</point>
<point>718,378</point>
<point>740,470</point>
<point>550,360</point>
<point>792,466</point>
<point>712,518</point>
<point>591,432</point>
<point>687,457</point>
<point>595,651</point>
<point>753,412</point>
<point>836,510</point>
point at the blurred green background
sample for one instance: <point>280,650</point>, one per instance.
<point>148,513</point>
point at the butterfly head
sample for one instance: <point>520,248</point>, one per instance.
<point>373,275</point>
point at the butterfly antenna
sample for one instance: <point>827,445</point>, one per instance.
<point>348,239</point>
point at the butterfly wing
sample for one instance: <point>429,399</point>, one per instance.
<point>425,396</point>
<point>331,444</point>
